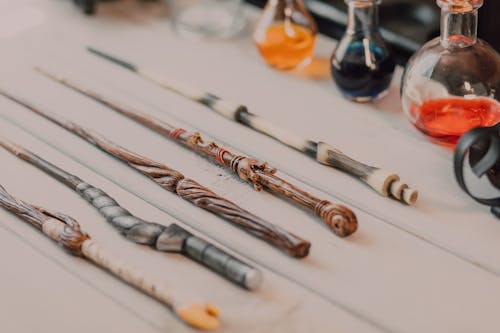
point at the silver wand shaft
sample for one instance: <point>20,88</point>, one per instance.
<point>172,238</point>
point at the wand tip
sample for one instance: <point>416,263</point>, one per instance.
<point>201,316</point>
<point>339,218</point>
<point>253,279</point>
<point>403,192</point>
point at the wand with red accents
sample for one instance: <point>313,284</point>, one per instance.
<point>340,219</point>
<point>384,182</point>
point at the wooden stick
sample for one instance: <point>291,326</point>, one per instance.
<point>172,238</point>
<point>384,182</point>
<point>188,189</point>
<point>67,233</point>
<point>340,219</point>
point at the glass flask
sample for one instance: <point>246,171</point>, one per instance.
<point>285,34</point>
<point>361,65</point>
<point>199,19</point>
<point>452,84</point>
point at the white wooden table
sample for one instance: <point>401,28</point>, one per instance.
<point>430,268</point>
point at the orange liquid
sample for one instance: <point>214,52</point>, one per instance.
<point>286,45</point>
<point>446,120</point>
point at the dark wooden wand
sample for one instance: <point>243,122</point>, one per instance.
<point>340,219</point>
<point>186,188</point>
<point>384,182</point>
<point>172,238</point>
<point>67,233</point>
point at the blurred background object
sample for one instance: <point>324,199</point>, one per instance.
<point>285,34</point>
<point>479,151</point>
<point>406,24</point>
<point>207,18</point>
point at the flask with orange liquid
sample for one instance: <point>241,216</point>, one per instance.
<point>285,34</point>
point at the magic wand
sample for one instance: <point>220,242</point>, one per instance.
<point>384,182</point>
<point>171,238</point>
<point>67,233</point>
<point>188,189</point>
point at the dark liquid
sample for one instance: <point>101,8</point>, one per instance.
<point>363,76</point>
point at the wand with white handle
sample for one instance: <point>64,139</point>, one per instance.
<point>384,182</point>
<point>67,233</point>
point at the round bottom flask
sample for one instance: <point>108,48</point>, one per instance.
<point>452,84</point>
<point>361,65</point>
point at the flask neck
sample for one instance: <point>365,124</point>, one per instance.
<point>458,29</point>
<point>362,16</point>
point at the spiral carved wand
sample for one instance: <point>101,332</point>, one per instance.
<point>172,238</point>
<point>340,219</point>
<point>67,233</point>
<point>186,188</point>
<point>384,182</point>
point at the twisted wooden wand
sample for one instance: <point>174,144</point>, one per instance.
<point>172,238</point>
<point>340,219</point>
<point>67,233</point>
<point>186,188</point>
<point>384,182</point>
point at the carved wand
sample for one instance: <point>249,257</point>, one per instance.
<point>172,238</point>
<point>186,188</point>
<point>340,219</point>
<point>67,233</point>
<point>384,182</point>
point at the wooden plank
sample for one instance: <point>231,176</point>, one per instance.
<point>403,261</point>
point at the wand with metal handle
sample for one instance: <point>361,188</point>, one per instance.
<point>186,188</point>
<point>67,233</point>
<point>384,182</point>
<point>172,238</point>
<point>340,219</point>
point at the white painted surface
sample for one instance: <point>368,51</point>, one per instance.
<point>429,268</point>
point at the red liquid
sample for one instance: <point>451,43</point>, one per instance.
<point>446,120</point>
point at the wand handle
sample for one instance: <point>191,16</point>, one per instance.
<point>203,197</point>
<point>384,182</point>
<point>172,238</point>
<point>218,260</point>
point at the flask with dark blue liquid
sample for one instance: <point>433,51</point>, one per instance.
<point>361,65</point>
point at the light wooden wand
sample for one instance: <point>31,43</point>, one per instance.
<point>340,219</point>
<point>172,238</point>
<point>67,233</point>
<point>384,182</point>
<point>188,189</point>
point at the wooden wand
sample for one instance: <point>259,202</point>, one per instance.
<point>172,238</point>
<point>186,188</point>
<point>67,233</point>
<point>340,219</point>
<point>384,182</point>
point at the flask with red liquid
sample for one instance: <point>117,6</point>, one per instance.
<point>452,84</point>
